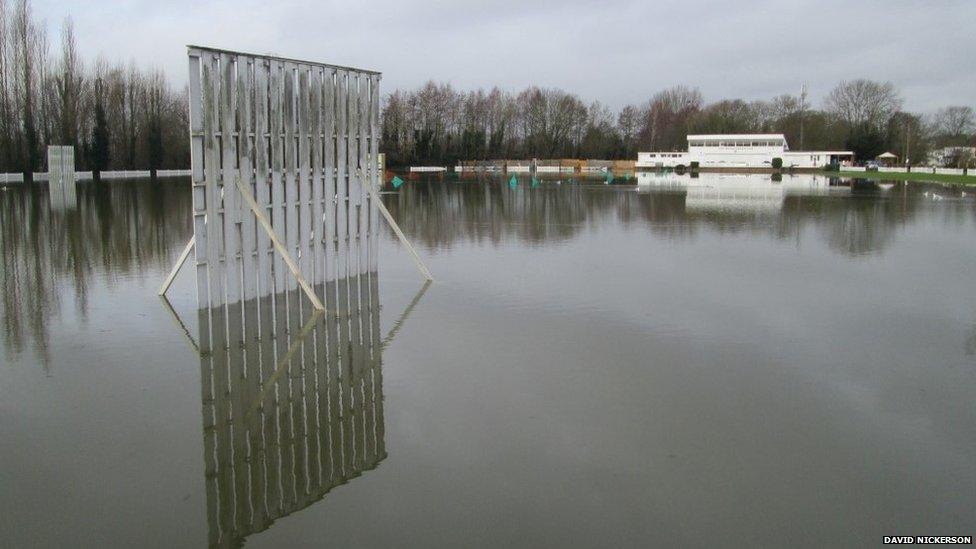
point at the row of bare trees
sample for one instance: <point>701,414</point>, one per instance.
<point>116,116</point>
<point>438,124</point>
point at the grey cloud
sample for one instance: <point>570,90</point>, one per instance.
<point>618,51</point>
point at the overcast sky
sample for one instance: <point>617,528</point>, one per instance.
<point>618,52</point>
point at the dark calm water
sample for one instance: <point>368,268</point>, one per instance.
<point>721,360</point>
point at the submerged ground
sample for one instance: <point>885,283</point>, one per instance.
<point>685,361</point>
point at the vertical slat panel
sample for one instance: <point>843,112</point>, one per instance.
<point>247,430</point>
<point>245,160</point>
<point>342,184</point>
<point>304,186</point>
<point>211,467</point>
<point>363,172</point>
<point>222,422</point>
<point>352,171</point>
<point>290,170</point>
<point>377,175</point>
<point>313,428</point>
<point>290,402</point>
<point>317,182</point>
<point>334,401</point>
<point>197,180</point>
<point>344,379</point>
<point>232,198</point>
<point>70,167</point>
<point>306,412</point>
<point>288,394</point>
<point>369,412</point>
<point>252,419</point>
<point>376,364</point>
<point>322,400</point>
<point>264,255</point>
<point>356,374</point>
<point>282,419</point>
<point>211,148</point>
<point>329,128</point>
<point>366,375</point>
<point>264,408</point>
<point>278,179</point>
<point>236,381</point>
<point>355,185</point>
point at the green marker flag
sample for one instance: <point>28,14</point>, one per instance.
<point>535,182</point>
<point>513,182</point>
<point>397,182</point>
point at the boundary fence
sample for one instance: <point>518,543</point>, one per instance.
<point>40,177</point>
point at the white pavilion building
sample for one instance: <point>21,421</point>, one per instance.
<point>740,151</point>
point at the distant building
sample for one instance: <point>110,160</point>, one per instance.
<point>741,151</point>
<point>951,157</point>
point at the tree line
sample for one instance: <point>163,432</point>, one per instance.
<point>437,124</point>
<point>116,116</point>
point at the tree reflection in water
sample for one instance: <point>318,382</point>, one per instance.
<point>854,218</point>
<point>136,228</point>
<point>115,230</point>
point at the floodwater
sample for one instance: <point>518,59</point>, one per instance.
<point>687,361</point>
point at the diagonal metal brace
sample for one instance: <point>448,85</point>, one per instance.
<point>266,225</point>
<point>280,369</point>
<point>396,228</point>
<point>179,265</point>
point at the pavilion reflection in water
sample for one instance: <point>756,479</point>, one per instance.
<point>292,403</point>
<point>737,192</point>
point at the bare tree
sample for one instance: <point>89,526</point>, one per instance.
<point>395,128</point>
<point>667,117</point>
<point>727,116</point>
<point>69,84</point>
<point>908,137</point>
<point>600,138</point>
<point>155,109</point>
<point>954,125</point>
<point>864,103</point>
<point>6,91</point>
<point>501,115</point>
<point>628,123</point>
<point>28,73</point>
